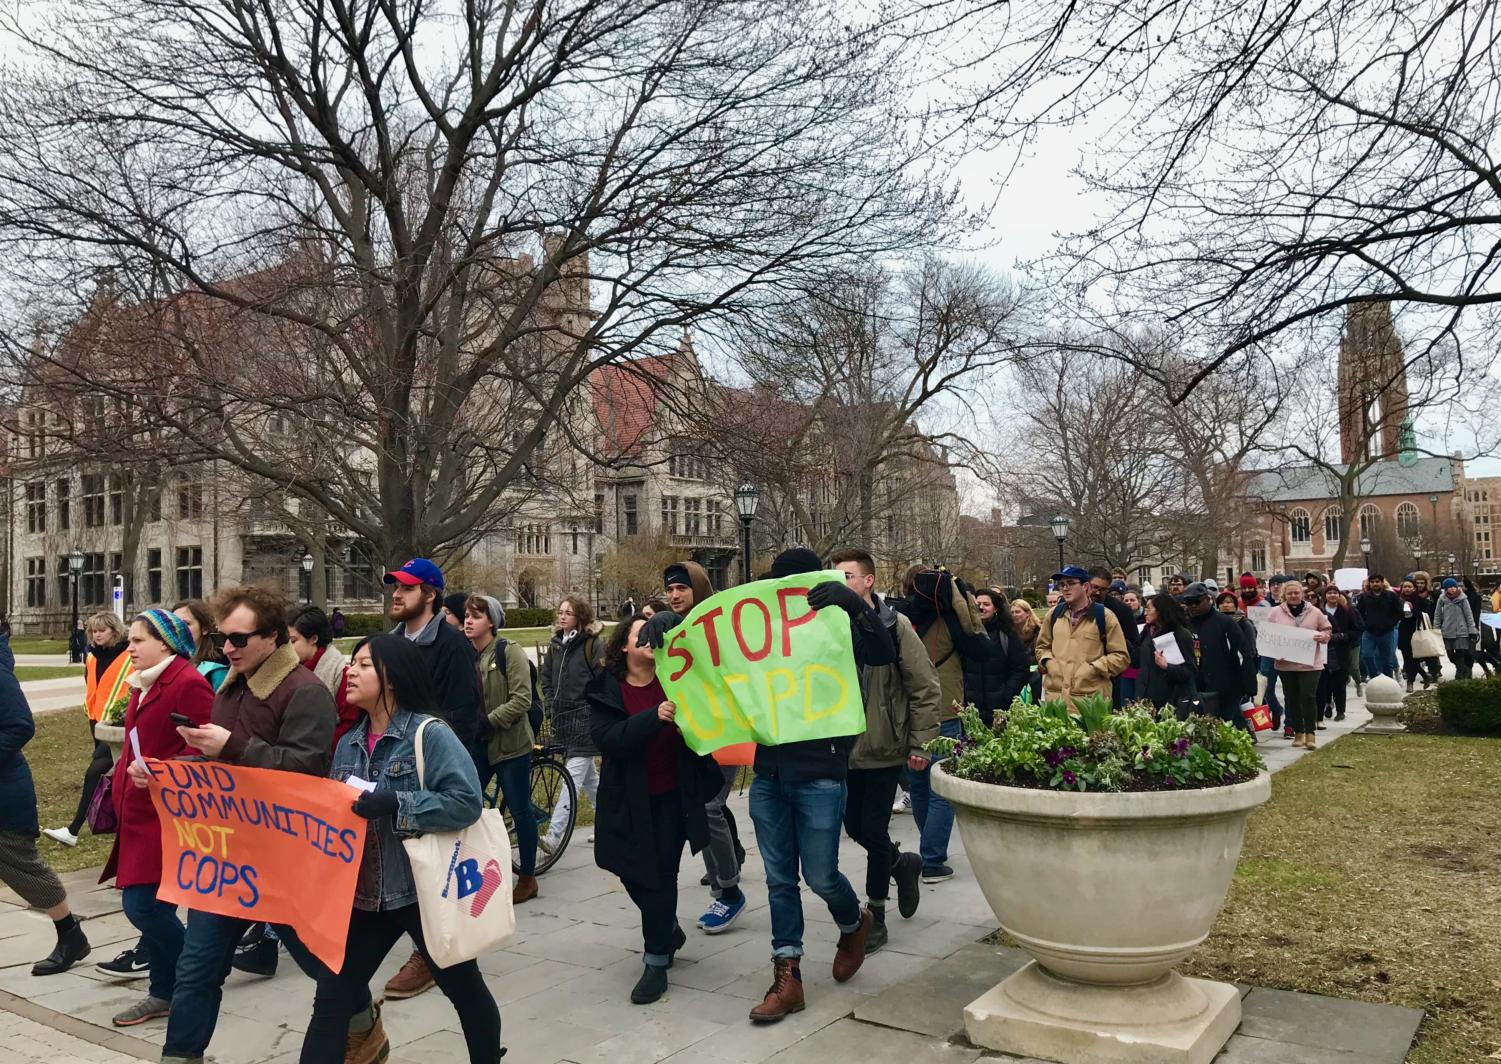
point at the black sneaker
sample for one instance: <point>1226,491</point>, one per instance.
<point>908,873</point>
<point>937,874</point>
<point>132,964</point>
<point>72,947</point>
<point>651,986</point>
<point>258,958</point>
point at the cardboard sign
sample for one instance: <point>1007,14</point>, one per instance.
<point>757,664</point>
<point>1286,643</point>
<point>1350,579</point>
<point>260,845</point>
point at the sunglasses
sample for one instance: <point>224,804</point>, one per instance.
<point>238,639</point>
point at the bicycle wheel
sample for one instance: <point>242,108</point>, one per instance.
<point>551,784</point>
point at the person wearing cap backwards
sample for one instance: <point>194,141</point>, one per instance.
<point>417,609</point>
<point>687,585</point>
<point>1227,665</point>
<point>1453,618</point>
<point>797,804</point>
<point>1081,648</point>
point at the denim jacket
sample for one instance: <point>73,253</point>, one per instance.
<point>450,801</point>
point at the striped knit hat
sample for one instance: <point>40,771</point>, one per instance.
<point>170,629</point>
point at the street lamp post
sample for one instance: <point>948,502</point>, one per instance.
<point>1365,548</point>
<point>747,500</point>
<point>1060,533</point>
<point>307,575</point>
<point>1451,563</point>
<point>75,567</point>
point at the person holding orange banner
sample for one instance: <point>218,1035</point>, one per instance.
<point>388,679</point>
<point>163,682</point>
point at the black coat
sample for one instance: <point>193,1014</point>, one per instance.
<point>1344,635</point>
<point>623,839</point>
<point>17,791</point>
<point>1227,666</point>
<point>1124,614</point>
<point>993,683</point>
<point>454,667</point>
<point>1381,611</point>
<point>1164,687</point>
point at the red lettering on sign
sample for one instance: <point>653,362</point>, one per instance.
<point>789,622</point>
<point>710,634</point>
<point>757,655</point>
<point>675,651</point>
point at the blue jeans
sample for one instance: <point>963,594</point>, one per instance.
<point>932,814</point>
<point>207,952</point>
<point>515,776</point>
<point>800,823</point>
<point>1268,668</point>
<point>1378,654</point>
<point>161,934</point>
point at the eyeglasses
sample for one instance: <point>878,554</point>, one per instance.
<point>1064,585</point>
<point>239,639</point>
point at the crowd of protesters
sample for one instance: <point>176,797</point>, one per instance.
<point>253,681</point>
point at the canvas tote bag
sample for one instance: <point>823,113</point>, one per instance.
<point>463,881</point>
<point>1427,641</point>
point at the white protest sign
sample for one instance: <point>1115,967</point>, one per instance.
<point>1492,619</point>
<point>1258,615</point>
<point>1168,646</point>
<point>1286,643</point>
<point>1350,579</point>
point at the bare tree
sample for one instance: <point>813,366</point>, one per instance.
<point>413,229</point>
<point>844,380</point>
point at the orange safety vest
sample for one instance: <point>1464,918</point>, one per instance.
<point>101,691</point>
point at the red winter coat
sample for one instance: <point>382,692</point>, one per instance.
<point>137,854</point>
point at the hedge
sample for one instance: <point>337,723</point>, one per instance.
<point>1471,705</point>
<point>366,623</point>
<point>528,617</point>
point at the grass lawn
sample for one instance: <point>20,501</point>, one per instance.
<point>58,755</point>
<point>1375,873</point>
<point>47,672</point>
<point>23,644</point>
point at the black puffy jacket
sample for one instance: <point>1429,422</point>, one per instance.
<point>992,683</point>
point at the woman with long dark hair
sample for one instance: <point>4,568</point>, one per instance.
<point>1164,683</point>
<point>992,684</point>
<point>568,665</point>
<point>208,659</point>
<point>389,681</point>
<point>652,793</point>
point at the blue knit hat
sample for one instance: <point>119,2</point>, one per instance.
<point>170,629</point>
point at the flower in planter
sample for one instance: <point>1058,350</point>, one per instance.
<point>1095,748</point>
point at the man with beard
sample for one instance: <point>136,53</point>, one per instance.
<point>417,609</point>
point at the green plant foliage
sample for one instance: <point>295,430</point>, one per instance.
<point>1096,749</point>
<point>1471,705</point>
<point>529,617</point>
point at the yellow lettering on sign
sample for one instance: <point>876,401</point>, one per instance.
<point>810,671</point>
<point>775,697</point>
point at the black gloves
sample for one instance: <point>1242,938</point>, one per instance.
<point>372,805</point>
<point>654,632</point>
<point>832,594</point>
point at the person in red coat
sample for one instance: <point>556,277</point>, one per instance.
<point>164,682</point>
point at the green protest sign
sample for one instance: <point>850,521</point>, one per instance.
<point>756,664</point>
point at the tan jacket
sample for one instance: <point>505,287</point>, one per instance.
<point>1074,661</point>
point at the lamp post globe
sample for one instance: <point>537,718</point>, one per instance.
<point>75,567</point>
<point>1365,548</point>
<point>307,575</point>
<point>747,501</point>
<point>1060,533</point>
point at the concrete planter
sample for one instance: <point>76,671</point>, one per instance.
<point>111,735</point>
<point>1107,892</point>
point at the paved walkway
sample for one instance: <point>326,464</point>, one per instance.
<point>563,980</point>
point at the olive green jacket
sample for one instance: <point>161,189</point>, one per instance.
<point>901,700</point>
<point>508,696</point>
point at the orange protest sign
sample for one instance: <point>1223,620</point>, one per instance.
<point>260,845</point>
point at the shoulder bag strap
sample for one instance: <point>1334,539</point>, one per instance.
<point>421,783</point>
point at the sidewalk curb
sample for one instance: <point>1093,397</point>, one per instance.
<point>80,1029</point>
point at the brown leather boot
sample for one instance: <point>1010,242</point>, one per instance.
<point>368,1047</point>
<point>413,979</point>
<point>524,890</point>
<point>851,952</point>
<point>785,995</point>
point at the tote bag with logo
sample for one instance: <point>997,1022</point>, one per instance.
<point>463,881</point>
<point>1427,641</point>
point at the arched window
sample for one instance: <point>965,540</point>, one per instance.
<point>1301,524</point>
<point>1370,517</point>
<point>1334,525</point>
<point>1409,524</point>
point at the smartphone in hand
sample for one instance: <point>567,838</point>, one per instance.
<point>185,721</point>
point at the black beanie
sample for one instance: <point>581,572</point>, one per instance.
<point>454,603</point>
<point>794,561</point>
<point>676,573</point>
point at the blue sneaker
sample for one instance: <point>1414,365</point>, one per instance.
<point>721,915</point>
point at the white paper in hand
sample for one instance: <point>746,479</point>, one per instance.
<point>360,784</point>
<point>1168,645</point>
<point>135,745</point>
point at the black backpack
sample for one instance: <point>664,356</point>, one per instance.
<point>1099,618</point>
<point>534,715</point>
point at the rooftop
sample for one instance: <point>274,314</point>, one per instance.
<point>1424,476</point>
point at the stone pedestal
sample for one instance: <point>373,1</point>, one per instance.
<point>112,736</point>
<point>1172,1020</point>
<point>1383,699</point>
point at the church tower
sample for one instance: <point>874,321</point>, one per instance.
<point>1372,384</point>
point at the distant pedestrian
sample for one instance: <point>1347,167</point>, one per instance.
<point>339,622</point>
<point>1461,634</point>
<point>1300,681</point>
